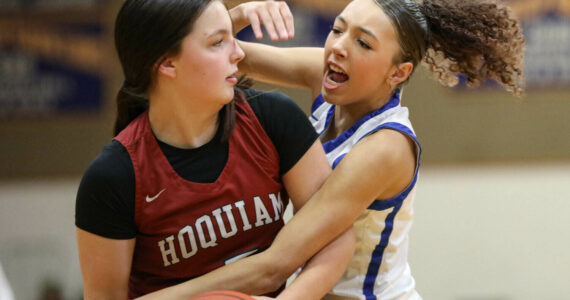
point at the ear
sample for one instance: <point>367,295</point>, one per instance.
<point>166,67</point>
<point>400,73</point>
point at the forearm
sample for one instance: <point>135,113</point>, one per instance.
<point>298,67</point>
<point>255,275</point>
<point>322,272</point>
<point>293,67</point>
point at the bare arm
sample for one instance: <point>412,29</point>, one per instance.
<point>265,273</point>
<point>295,67</point>
<point>323,270</point>
<point>105,265</point>
<point>386,157</point>
<point>379,167</point>
<point>299,67</point>
<point>321,273</point>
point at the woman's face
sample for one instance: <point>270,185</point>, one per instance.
<point>359,54</point>
<point>207,62</point>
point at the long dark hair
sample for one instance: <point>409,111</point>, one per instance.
<point>145,32</point>
<point>478,38</point>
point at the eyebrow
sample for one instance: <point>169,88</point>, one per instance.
<point>219,31</point>
<point>362,29</point>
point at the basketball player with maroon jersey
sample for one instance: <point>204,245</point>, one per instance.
<point>199,171</point>
<point>194,210</point>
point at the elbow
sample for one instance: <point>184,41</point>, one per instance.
<point>274,280</point>
<point>275,274</point>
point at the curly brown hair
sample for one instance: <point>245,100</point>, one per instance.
<point>478,38</point>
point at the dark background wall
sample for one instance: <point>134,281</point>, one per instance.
<point>454,125</point>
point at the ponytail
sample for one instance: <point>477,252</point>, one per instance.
<point>480,39</point>
<point>145,32</point>
<point>130,105</point>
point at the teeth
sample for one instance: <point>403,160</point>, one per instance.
<point>335,69</point>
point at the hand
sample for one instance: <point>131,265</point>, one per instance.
<point>275,16</point>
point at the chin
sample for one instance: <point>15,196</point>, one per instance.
<point>331,97</point>
<point>226,94</point>
<point>228,97</point>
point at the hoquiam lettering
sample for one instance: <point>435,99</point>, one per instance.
<point>209,228</point>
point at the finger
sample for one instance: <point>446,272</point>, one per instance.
<point>269,26</point>
<point>278,22</point>
<point>255,25</point>
<point>287,18</point>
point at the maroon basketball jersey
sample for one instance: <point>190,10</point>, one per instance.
<point>186,229</point>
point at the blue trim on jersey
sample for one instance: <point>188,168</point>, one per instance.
<point>377,254</point>
<point>396,126</point>
<point>384,204</point>
<point>330,114</point>
<point>337,160</point>
<point>332,144</point>
<point>317,102</point>
<point>396,202</point>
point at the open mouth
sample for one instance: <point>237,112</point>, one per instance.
<point>334,77</point>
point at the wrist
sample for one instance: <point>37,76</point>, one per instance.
<point>239,20</point>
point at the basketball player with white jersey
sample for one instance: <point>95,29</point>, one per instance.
<point>371,51</point>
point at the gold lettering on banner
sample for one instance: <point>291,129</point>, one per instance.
<point>78,50</point>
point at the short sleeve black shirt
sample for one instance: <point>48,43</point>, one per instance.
<point>106,196</point>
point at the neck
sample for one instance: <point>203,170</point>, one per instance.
<point>182,122</point>
<point>347,115</point>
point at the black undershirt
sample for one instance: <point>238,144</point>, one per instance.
<point>106,196</point>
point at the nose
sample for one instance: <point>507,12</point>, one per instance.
<point>339,47</point>
<point>237,54</point>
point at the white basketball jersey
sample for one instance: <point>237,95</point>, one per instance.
<point>379,268</point>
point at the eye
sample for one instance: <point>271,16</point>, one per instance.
<point>219,42</point>
<point>335,30</point>
<point>364,45</point>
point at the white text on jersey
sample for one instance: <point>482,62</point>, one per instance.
<point>205,234</point>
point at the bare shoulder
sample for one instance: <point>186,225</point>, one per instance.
<point>390,144</point>
<point>388,158</point>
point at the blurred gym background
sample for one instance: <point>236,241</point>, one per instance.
<point>493,200</point>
